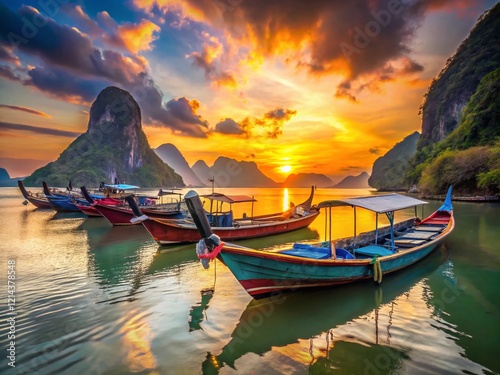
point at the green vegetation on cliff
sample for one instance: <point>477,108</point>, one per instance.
<point>114,146</point>
<point>460,143</point>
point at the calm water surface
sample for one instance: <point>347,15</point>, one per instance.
<point>96,299</point>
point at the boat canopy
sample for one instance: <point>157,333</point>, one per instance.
<point>122,186</point>
<point>376,203</point>
<point>229,198</point>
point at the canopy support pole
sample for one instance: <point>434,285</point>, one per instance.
<point>390,216</point>
<point>355,222</point>
<point>376,228</point>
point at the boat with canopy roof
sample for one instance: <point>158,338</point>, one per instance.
<point>364,256</point>
<point>117,211</point>
<point>223,223</point>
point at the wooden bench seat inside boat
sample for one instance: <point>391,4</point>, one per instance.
<point>417,235</point>
<point>372,250</point>
<point>408,243</point>
<point>429,228</point>
<point>308,251</point>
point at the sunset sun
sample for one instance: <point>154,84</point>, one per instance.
<point>285,168</point>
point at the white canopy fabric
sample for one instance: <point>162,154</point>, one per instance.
<point>376,203</point>
<point>229,198</point>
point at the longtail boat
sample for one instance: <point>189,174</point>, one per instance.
<point>60,202</point>
<point>167,232</point>
<point>122,214</point>
<point>37,200</point>
<point>87,206</point>
<point>368,255</point>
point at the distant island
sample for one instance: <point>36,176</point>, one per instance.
<point>5,180</point>
<point>354,182</point>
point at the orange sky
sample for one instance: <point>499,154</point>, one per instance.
<point>261,84</point>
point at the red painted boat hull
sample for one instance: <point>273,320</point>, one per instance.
<point>90,211</point>
<point>115,215</point>
<point>171,232</point>
<point>121,215</point>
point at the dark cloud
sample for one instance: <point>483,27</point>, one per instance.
<point>375,151</point>
<point>228,126</point>
<point>61,84</point>
<point>25,109</point>
<point>75,69</point>
<point>269,126</point>
<point>38,130</point>
<point>356,39</point>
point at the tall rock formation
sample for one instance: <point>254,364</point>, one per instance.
<point>388,171</point>
<point>452,89</point>
<point>114,147</point>
<point>459,144</point>
<point>231,173</point>
<point>173,158</point>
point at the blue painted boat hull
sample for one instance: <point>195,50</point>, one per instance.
<point>62,203</point>
<point>263,273</point>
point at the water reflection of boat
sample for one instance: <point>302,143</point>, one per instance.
<point>287,318</point>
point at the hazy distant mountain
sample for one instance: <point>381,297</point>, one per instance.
<point>354,182</point>
<point>202,171</point>
<point>307,180</point>
<point>5,179</point>
<point>173,158</point>
<point>388,171</point>
<point>232,173</point>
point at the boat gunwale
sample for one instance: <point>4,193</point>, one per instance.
<point>280,257</point>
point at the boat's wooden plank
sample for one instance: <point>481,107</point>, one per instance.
<point>429,228</point>
<point>420,235</point>
<point>408,243</point>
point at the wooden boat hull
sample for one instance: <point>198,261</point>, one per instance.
<point>38,202</point>
<point>62,203</point>
<point>119,215</point>
<point>263,273</point>
<point>167,232</point>
<point>88,210</point>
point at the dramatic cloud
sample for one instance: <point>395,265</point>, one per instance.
<point>7,55</point>
<point>180,115</point>
<point>269,126</point>
<point>375,151</point>
<point>38,130</point>
<point>354,39</point>
<point>87,24</point>
<point>208,60</point>
<point>228,126</point>
<point>134,37</point>
<point>25,109</point>
<point>75,70</point>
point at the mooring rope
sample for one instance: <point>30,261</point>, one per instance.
<point>377,270</point>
